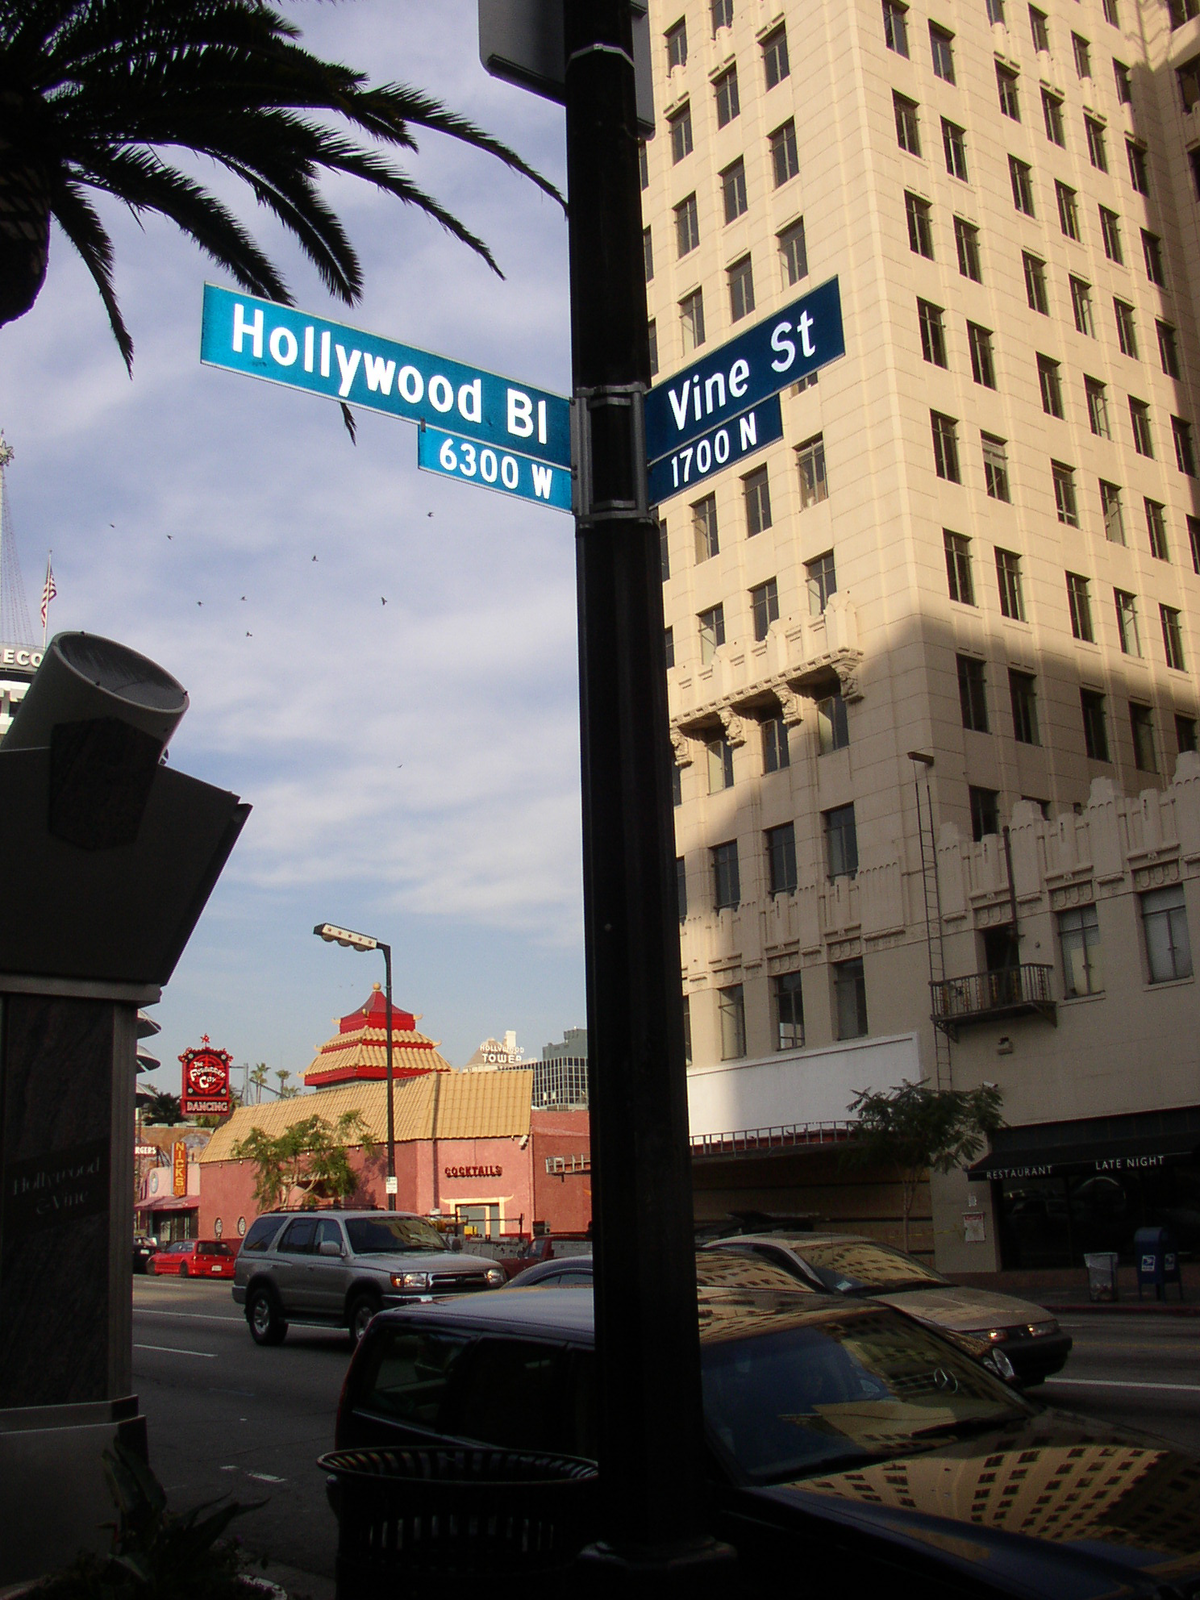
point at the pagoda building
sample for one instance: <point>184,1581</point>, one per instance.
<point>357,1053</point>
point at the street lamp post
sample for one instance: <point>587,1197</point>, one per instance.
<point>362,942</point>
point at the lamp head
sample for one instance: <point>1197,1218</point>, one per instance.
<point>343,936</point>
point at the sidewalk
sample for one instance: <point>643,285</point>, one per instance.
<point>1066,1289</point>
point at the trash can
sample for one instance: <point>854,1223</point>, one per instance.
<point>1102,1274</point>
<point>1157,1261</point>
<point>406,1516</point>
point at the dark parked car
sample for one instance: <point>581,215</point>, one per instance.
<point>143,1248</point>
<point>848,1264</point>
<point>849,1449</point>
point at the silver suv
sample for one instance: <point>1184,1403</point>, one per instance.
<point>338,1268</point>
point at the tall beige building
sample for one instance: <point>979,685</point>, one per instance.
<point>978,541</point>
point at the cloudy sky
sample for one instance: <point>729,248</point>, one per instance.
<point>413,767</point>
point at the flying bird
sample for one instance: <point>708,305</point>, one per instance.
<point>168,536</point>
<point>382,601</point>
<point>314,558</point>
<point>249,635</point>
<point>243,597</point>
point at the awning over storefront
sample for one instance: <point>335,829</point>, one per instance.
<point>183,1202</point>
<point>1102,1144</point>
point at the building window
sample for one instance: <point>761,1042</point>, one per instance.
<point>1168,948</point>
<point>757,493</point>
<point>1068,211</point>
<point>664,551</point>
<point>781,859</point>
<point>1082,51</point>
<point>1051,387</point>
<point>954,147</point>
<point>995,11</point>
<point>1152,253</point>
<point>841,842</point>
<point>687,226</point>
<point>1114,517</point>
<point>1124,82</point>
<point>1185,455</point>
<point>720,764</point>
<point>722,15</point>
<point>687,1029</point>
<point>643,165</point>
<point>1022,692</point>
<point>785,160</point>
<point>681,134</point>
<point>814,485</point>
<point>733,190</point>
<point>1081,305</point>
<point>712,632</point>
<point>1064,493</point>
<point>776,755</point>
<point>945,446</point>
<point>669,646</point>
<point>789,1011</point>
<point>985,812</point>
<point>1021,174</point>
<point>1008,581</point>
<point>1110,232</point>
<point>1079,941</point>
<point>1039,29</point>
<point>1168,349</point>
<point>1127,622</point>
<point>1188,78</point>
<point>741,289</point>
<point>676,784</point>
<point>1097,407</point>
<point>833,730</point>
<point>1053,118</point>
<point>1172,634</point>
<point>1097,151</point>
<point>1193,529</point>
<point>704,527</point>
<point>793,253</point>
<point>1080,602</point>
<point>966,241</point>
<point>652,343</point>
<point>764,607</point>
<point>1138,175</point>
<point>681,887</point>
<point>972,694</point>
<point>1139,417</point>
<point>995,466</point>
<point>1095,725</point>
<point>850,999</point>
<point>1126,331</point>
<point>1141,723</point>
<point>1185,734</point>
<point>1156,527</point>
<point>982,366</point>
<point>647,254</point>
<point>933,334</point>
<point>958,567</point>
<point>726,883</point>
<point>1035,283</point>
<point>1193,156</point>
<point>775,57</point>
<point>728,104</point>
<point>676,38</point>
<point>920,228</point>
<point>908,133</point>
<point>691,320</point>
<point>1006,83</point>
<point>941,46</point>
<point>731,1007</point>
<point>895,27</point>
<point>821,577</point>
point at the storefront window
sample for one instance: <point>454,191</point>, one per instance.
<point>1054,1221</point>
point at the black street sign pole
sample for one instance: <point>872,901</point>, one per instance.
<point>648,1354</point>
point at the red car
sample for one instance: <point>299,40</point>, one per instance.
<point>194,1258</point>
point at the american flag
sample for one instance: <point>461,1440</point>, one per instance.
<point>48,591</point>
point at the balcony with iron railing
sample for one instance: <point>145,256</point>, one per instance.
<point>992,996</point>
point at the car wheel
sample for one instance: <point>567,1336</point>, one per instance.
<point>266,1324</point>
<point>361,1312</point>
<point>183,1270</point>
<point>150,1269</point>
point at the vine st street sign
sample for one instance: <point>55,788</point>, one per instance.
<point>732,441</point>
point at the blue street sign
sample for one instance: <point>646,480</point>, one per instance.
<point>766,358</point>
<point>740,436</point>
<point>245,334</point>
<point>502,470</point>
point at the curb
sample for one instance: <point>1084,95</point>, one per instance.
<point>1145,1308</point>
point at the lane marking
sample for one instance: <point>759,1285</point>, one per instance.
<point>190,1316</point>
<point>266,1477</point>
<point>170,1350</point>
<point>1120,1383</point>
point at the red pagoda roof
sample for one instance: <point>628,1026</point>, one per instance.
<point>358,1051</point>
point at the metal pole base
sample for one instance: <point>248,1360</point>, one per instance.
<point>692,1570</point>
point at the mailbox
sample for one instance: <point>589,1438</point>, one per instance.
<point>1156,1260</point>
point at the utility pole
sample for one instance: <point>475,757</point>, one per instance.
<point>651,1450</point>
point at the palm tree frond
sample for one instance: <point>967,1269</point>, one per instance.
<point>77,218</point>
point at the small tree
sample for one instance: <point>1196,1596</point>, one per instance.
<point>285,1093</point>
<point>919,1129</point>
<point>258,1080</point>
<point>311,1156</point>
<point>163,1109</point>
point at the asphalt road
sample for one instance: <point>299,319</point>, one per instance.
<point>228,1418</point>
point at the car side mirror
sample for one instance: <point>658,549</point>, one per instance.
<point>329,1247</point>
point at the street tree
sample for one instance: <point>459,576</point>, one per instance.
<point>918,1129</point>
<point>163,1109</point>
<point>95,93</point>
<point>310,1160</point>
<point>258,1080</point>
<point>285,1092</point>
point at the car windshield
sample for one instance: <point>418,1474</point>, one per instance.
<point>375,1236</point>
<point>859,1266</point>
<point>214,1247</point>
<point>803,1397</point>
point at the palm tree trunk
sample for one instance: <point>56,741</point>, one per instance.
<point>24,233</point>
